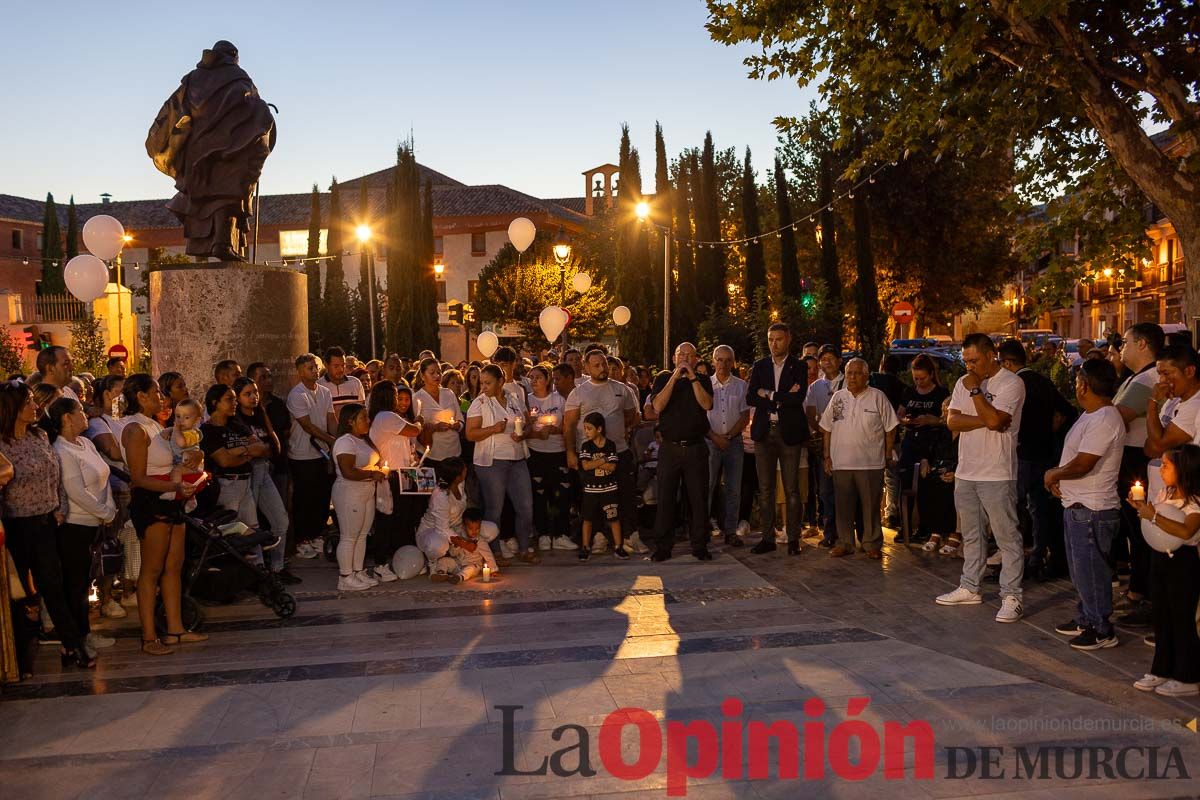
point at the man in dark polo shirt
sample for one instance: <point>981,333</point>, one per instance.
<point>682,400</point>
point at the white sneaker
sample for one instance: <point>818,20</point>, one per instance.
<point>318,544</point>
<point>564,543</point>
<point>305,550</point>
<point>129,600</point>
<point>1173,688</point>
<point>384,573</point>
<point>959,597</point>
<point>545,543</point>
<point>635,543</point>
<point>113,610</point>
<point>96,640</point>
<point>365,577</point>
<point>351,583</point>
<point>995,559</point>
<point>508,548</point>
<point>1148,682</point>
<point>599,543</point>
<point>1010,609</point>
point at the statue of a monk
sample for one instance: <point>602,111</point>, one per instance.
<point>213,136</point>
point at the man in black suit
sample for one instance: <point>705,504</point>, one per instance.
<point>780,431</point>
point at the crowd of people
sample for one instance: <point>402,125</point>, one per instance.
<point>486,463</point>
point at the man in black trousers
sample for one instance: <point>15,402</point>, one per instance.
<point>682,400</point>
<point>777,388</point>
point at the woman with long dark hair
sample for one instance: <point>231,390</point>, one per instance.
<point>439,410</point>
<point>158,519</point>
<point>90,505</point>
<point>33,505</point>
<point>359,469</point>
<point>394,428</point>
<point>175,391</point>
<point>263,491</point>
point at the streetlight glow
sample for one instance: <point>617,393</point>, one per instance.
<point>439,268</point>
<point>363,232</point>
<point>562,247</point>
<point>642,209</point>
<point>127,238</point>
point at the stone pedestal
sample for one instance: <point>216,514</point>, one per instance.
<point>201,314</point>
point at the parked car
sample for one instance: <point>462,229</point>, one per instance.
<point>919,343</point>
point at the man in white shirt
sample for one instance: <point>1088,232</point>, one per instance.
<point>1139,353</point>
<point>618,405</point>
<point>55,365</point>
<point>1086,481</point>
<point>985,411</point>
<point>343,388</point>
<point>311,407</point>
<point>817,399</point>
<point>727,419</point>
<point>859,432</point>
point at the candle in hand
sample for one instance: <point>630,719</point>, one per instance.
<point>546,420</point>
<point>446,415</point>
<point>1137,492</point>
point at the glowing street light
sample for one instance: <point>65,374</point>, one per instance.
<point>642,209</point>
<point>439,268</point>
<point>363,232</point>
<point>562,248</point>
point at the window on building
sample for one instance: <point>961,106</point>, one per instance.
<point>41,242</point>
<point>441,291</point>
<point>18,240</point>
<point>471,288</point>
<point>437,245</point>
<point>478,244</point>
<point>295,243</point>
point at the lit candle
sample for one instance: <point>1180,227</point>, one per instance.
<point>545,420</point>
<point>446,415</point>
<point>1137,492</point>
<point>487,574</point>
<point>519,425</point>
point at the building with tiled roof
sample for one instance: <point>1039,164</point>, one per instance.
<point>470,226</point>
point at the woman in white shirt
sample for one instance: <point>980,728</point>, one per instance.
<point>359,469</point>
<point>104,430</point>
<point>548,462</point>
<point>89,504</point>
<point>394,427</point>
<point>439,411</point>
<point>496,423</point>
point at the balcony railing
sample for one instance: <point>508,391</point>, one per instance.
<point>47,308</point>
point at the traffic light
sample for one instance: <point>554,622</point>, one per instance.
<point>468,314</point>
<point>33,338</point>
<point>456,313</point>
<point>45,342</point>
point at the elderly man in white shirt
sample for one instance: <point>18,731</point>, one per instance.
<point>727,418</point>
<point>859,427</point>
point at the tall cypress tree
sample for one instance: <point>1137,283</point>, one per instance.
<point>789,266</point>
<point>756,265</point>
<point>338,322</point>
<point>686,310</point>
<point>711,262</point>
<point>832,316</point>
<point>426,328</point>
<point>362,295</point>
<point>52,251</point>
<point>405,280</point>
<point>72,230</point>
<point>312,271</point>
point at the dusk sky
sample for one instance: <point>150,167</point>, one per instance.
<point>528,94</point>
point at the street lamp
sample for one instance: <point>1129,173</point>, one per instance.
<point>642,210</point>
<point>126,238</point>
<point>562,254</point>
<point>363,232</point>
<point>439,268</point>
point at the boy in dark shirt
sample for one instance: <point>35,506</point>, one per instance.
<point>598,466</point>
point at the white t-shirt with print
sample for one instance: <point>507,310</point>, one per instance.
<point>498,446</point>
<point>317,405</point>
<point>1185,415</point>
<point>364,456</point>
<point>983,454</point>
<point>858,428</point>
<point>1098,433</point>
<point>549,406</point>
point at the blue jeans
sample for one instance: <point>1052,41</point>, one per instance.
<point>1089,538</point>
<point>727,463</point>
<point>996,503</point>
<point>270,503</point>
<point>511,478</point>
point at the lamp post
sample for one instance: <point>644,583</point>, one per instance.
<point>126,239</point>
<point>642,209</point>
<point>562,255</point>
<point>363,232</point>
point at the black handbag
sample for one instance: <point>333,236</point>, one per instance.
<point>107,555</point>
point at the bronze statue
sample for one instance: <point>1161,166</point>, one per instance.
<point>213,136</point>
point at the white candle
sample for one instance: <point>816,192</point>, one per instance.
<point>546,420</point>
<point>519,425</point>
<point>487,574</point>
<point>1137,492</point>
<point>446,415</point>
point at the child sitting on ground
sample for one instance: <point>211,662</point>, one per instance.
<point>467,554</point>
<point>598,467</point>
<point>447,518</point>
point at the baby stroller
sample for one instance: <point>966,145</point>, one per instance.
<point>215,569</point>
<point>640,441</point>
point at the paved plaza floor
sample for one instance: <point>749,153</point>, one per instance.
<point>419,690</point>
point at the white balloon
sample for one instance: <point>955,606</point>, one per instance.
<point>408,562</point>
<point>1155,536</point>
<point>581,282</point>
<point>521,232</point>
<point>86,277</point>
<point>487,343</point>
<point>553,320</point>
<point>103,236</point>
<point>622,315</point>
